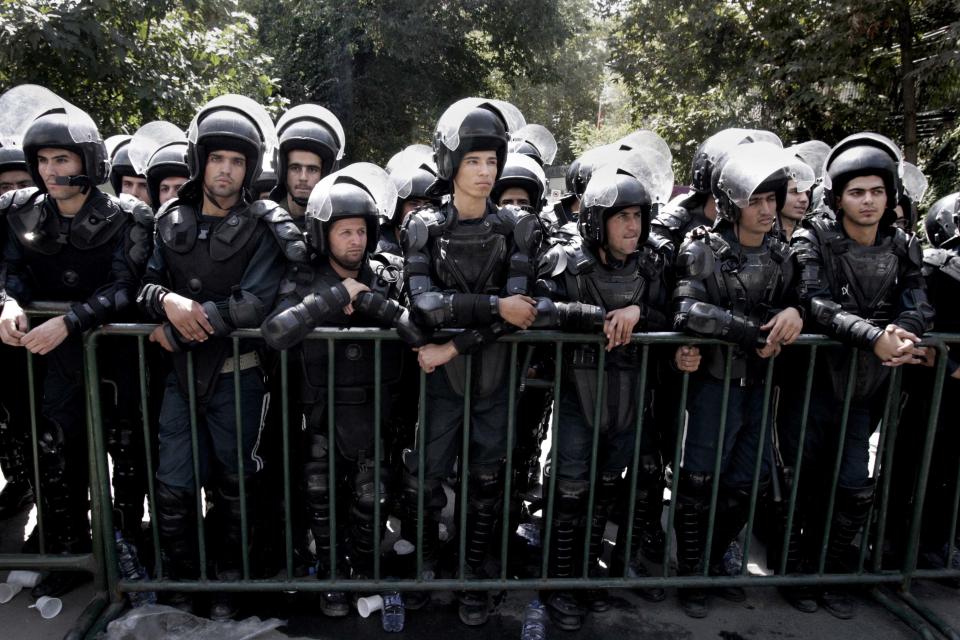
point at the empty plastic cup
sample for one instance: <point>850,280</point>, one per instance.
<point>24,578</point>
<point>48,607</point>
<point>8,591</point>
<point>368,605</point>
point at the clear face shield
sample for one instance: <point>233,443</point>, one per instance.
<point>650,168</point>
<point>411,156</point>
<point>148,139</point>
<point>750,165</point>
<point>19,106</point>
<point>374,179</point>
<point>540,137</point>
<point>319,114</point>
<point>448,128</point>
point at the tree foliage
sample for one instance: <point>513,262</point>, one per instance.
<point>127,62</point>
<point>820,69</point>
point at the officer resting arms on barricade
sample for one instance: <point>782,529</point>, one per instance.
<point>861,283</point>
<point>468,264</point>
<point>347,285</point>
<point>616,281</point>
<point>217,265</point>
<point>68,242</point>
<point>735,282</point>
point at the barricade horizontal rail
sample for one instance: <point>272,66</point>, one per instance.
<point>652,353</point>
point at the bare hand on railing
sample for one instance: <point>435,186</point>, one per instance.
<point>158,336</point>
<point>618,325</point>
<point>353,288</point>
<point>187,317</point>
<point>520,311</point>
<point>784,328</point>
<point>431,356</point>
<point>46,337</point>
<point>895,347</point>
<point>13,323</point>
<point>687,359</point>
<point>769,350</point>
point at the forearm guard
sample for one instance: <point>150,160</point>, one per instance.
<point>289,327</point>
<point>710,321</point>
<point>378,307</point>
<point>574,317</point>
<point>434,309</point>
<point>842,325</point>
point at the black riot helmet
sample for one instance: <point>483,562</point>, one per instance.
<point>570,179</point>
<point>12,159</point>
<point>863,154</point>
<point>120,165</point>
<point>67,127</point>
<point>473,124</point>
<point>522,171</point>
<point>813,153</point>
<point>626,179</point>
<point>709,153</point>
<point>307,127</point>
<point>756,167</point>
<point>266,182</point>
<point>412,173</point>
<point>536,142</point>
<point>942,223</point>
<point>361,190</point>
<point>228,123</point>
<point>167,162</point>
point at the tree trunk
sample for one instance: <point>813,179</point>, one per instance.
<point>908,82</point>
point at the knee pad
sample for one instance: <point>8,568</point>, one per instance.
<point>434,497</point>
<point>486,486</point>
<point>365,494</point>
<point>571,500</point>
<point>650,470</point>
<point>695,486</point>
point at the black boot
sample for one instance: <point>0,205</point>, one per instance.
<point>565,544</point>
<point>852,508</point>
<point>483,514</point>
<point>177,524</point>
<point>693,505</point>
<point>648,534</point>
<point>803,598</point>
<point>605,495</point>
<point>17,494</point>
<point>229,560</point>
<point>434,500</point>
<point>733,509</point>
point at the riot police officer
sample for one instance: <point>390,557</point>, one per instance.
<point>216,266</point>
<point>311,145</point>
<point>861,283</point>
<point>468,264</point>
<point>123,177</point>
<point>412,172</point>
<point>734,282</point>
<point>614,285</point>
<point>158,151</point>
<point>347,285</point>
<point>67,242</point>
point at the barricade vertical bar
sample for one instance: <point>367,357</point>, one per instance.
<point>377,456</point>
<point>841,445</point>
<point>718,458</point>
<point>421,461</point>
<point>761,446</point>
<point>675,483</point>
<point>508,472</point>
<point>798,461</point>
<point>953,518</point>
<point>99,478</point>
<point>594,452</point>
<point>913,544</point>
<point>465,466</point>
<point>884,466</point>
<point>641,395</point>
<point>285,435</point>
<point>197,481</point>
<point>331,454</point>
<point>34,440</point>
<point>241,463</point>
<point>148,455</point>
<point>547,510</point>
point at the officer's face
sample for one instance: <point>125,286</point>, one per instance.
<point>223,176</point>
<point>136,187</point>
<point>348,240</point>
<point>169,187</point>
<point>759,214</point>
<point>795,206</point>
<point>476,174</point>
<point>517,197</point>
<point>56,163</point>
<point>304,170</point>
<point>863,200</point>
<point>623,232</point>
<point>14,179</point>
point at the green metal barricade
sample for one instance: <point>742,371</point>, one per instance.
<point>873,574</point>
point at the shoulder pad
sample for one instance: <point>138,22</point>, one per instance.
<point>779,249</point>
<point>803,234</point>
<point>936,257</point>
<point>510,215</point>
<point>650,260</point>
<point>166,207</point>
<point>283,228</point>
<point>388,259</point>
<point>140,210</point>
<point>419,226</point>
<point>6,200</point>
<point>527,234</point>
<point>387,268</point>
<point>579,260</point>
<point>552,262</point>
<point>696,258</point>
<point>674,216</point>
<point>911,248</point>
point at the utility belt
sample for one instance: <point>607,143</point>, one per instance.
<point>242,363</point>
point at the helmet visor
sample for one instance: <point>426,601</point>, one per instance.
<point>148,139</point>
<point>752,164</point>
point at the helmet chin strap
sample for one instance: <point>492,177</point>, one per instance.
<point>84,182</point>
<point>212,198</point>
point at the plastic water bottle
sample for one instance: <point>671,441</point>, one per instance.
<point>534,622</point>
<point>131,569</point>
<point>393,613</point>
